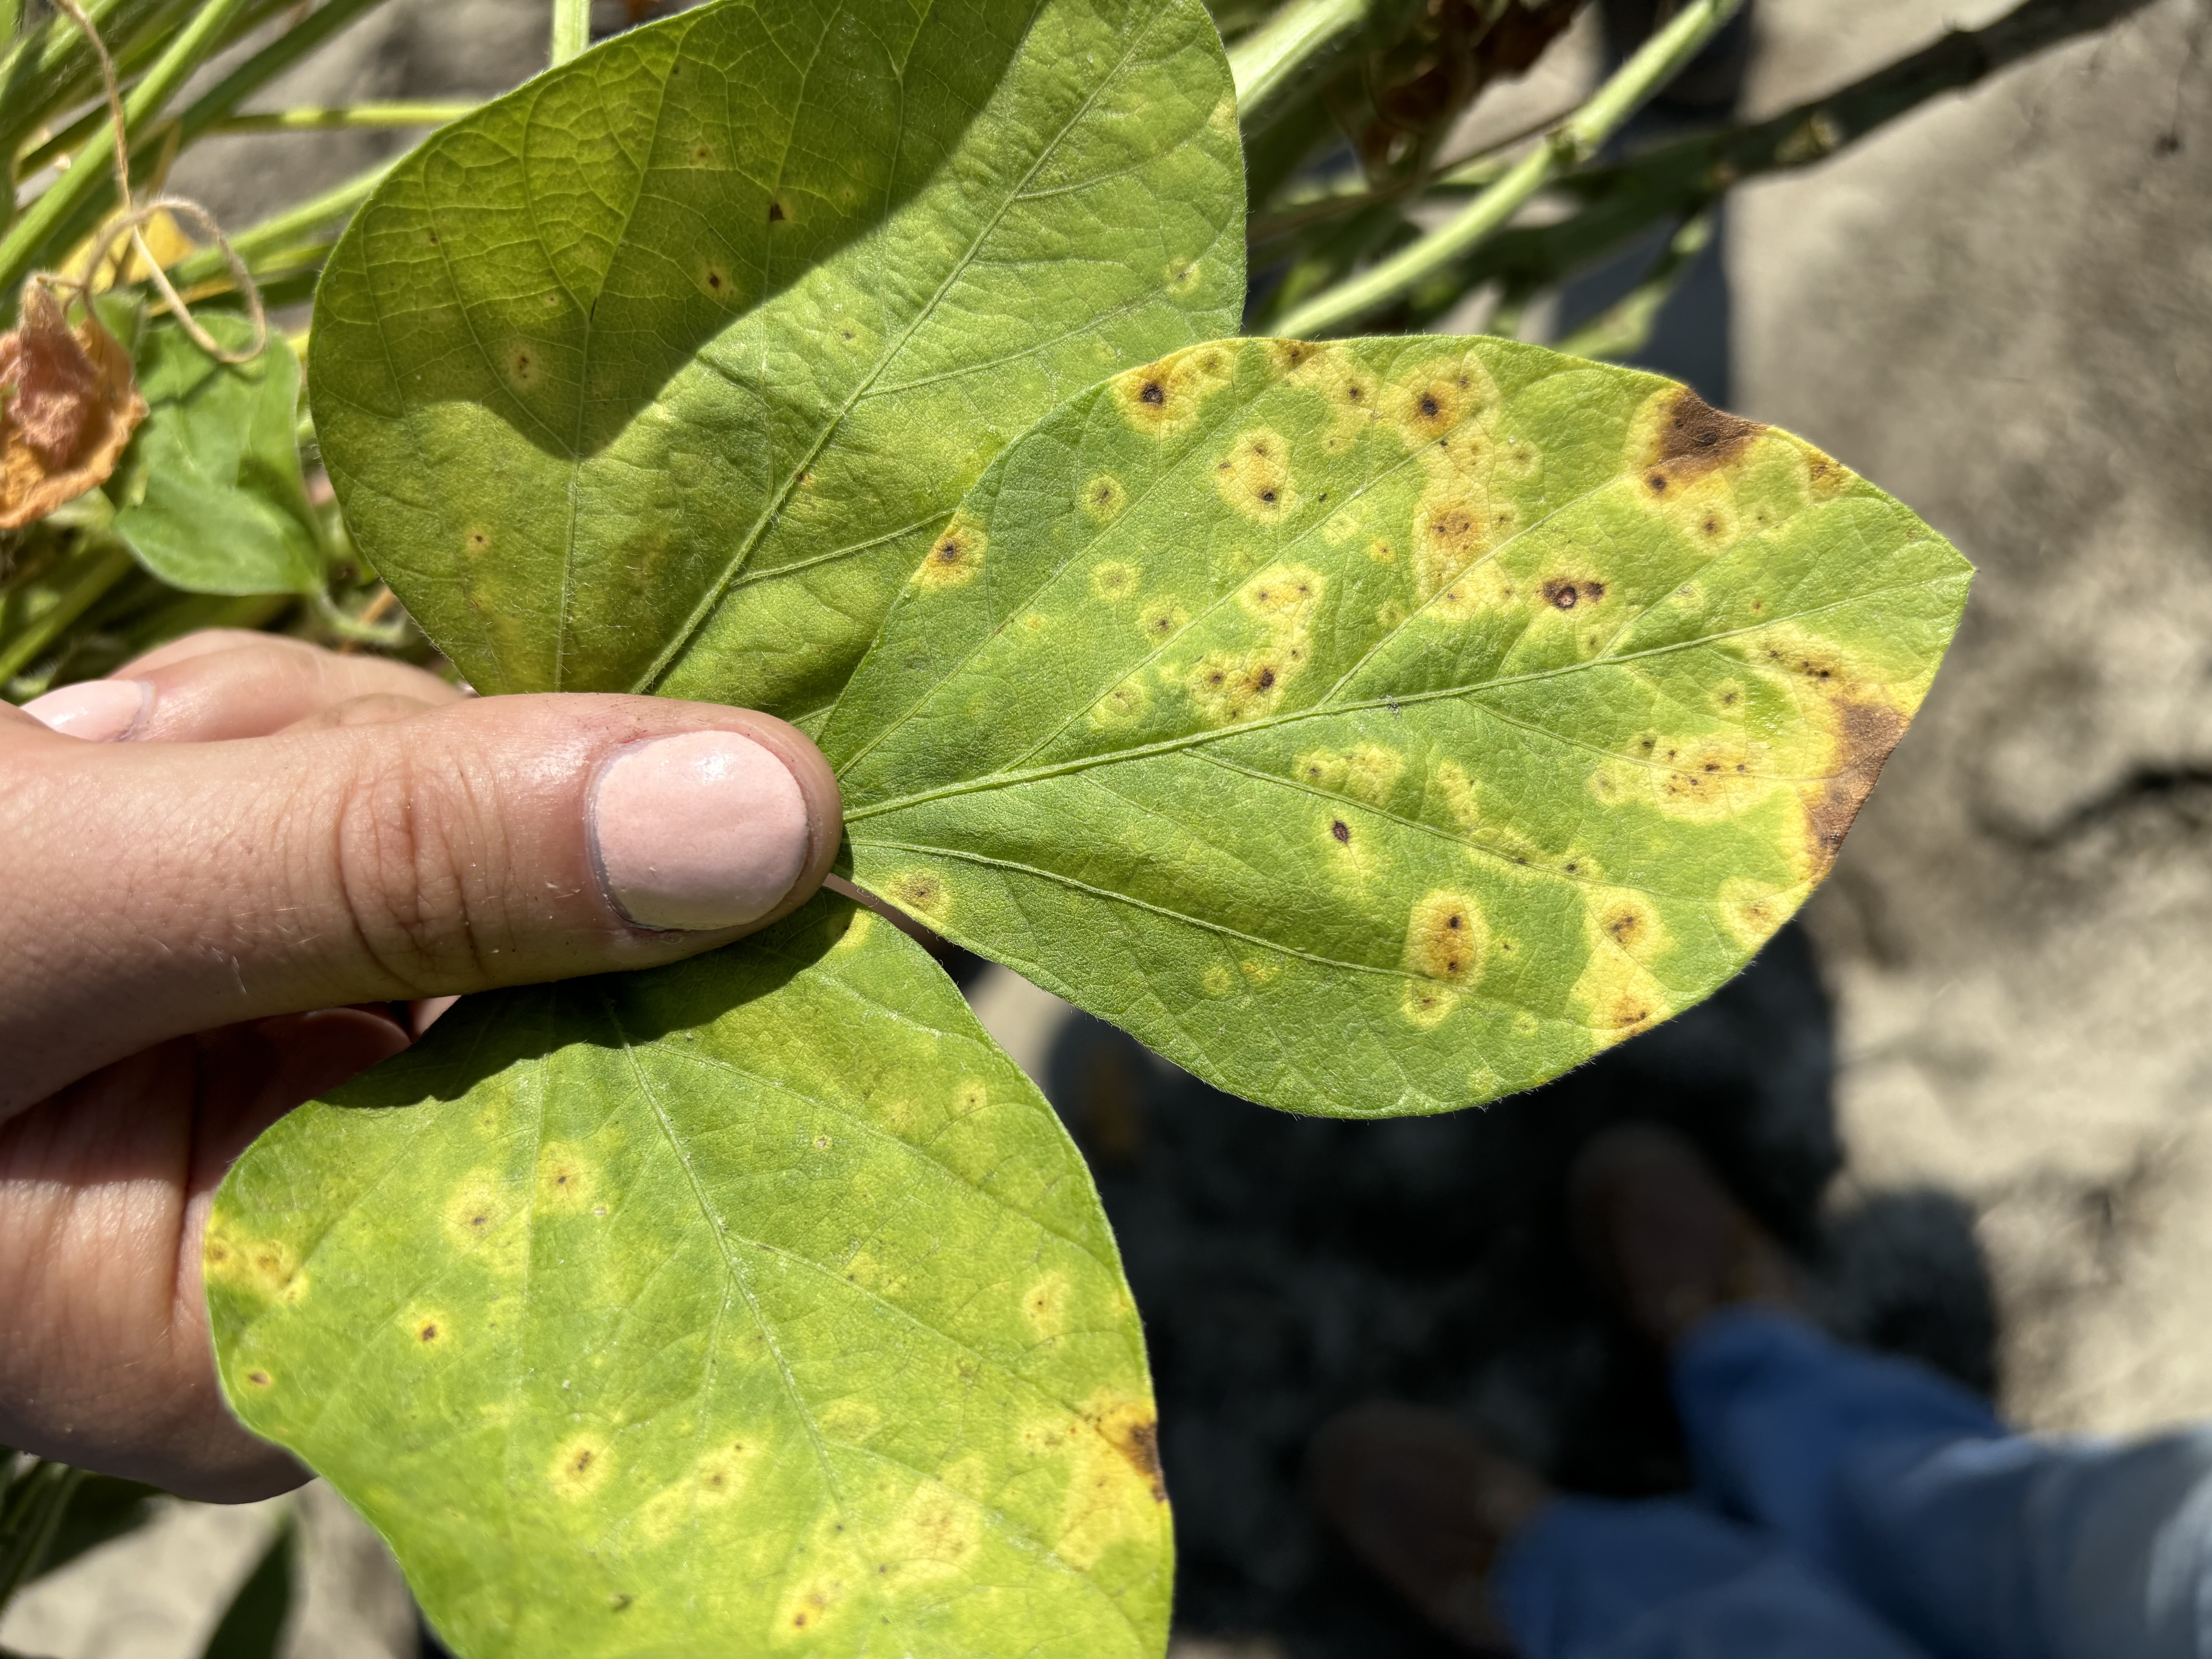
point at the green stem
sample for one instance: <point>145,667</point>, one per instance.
<point>281,231</point>
<point>90,171</point>
<point>1654,65</point>
<point>106,570</point>
<point>1624,328</point>
<point>206,113</point>
<point>357,115</point>
<point>572,29</point>
<point>1270,58</point>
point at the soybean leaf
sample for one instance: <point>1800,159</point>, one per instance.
<point>659,373</point>
<point>210,495</point>
<point>1387,725</point>
<point>753,1302</point>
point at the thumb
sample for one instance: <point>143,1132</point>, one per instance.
<point>159,889</point>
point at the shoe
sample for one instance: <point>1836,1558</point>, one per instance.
<point>1428,1506</point>
<point>1665,1237</point>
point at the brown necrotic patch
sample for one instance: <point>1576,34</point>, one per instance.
<point>1864,734</point>
<point>1341,830</point>
<point>1571,594</point>
<point>776,215</point>
<point>1686,437</point>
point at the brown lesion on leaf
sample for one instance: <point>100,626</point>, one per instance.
<point>1132,1428</point>
<point>1684,437</point>
<point>1165,396</point>
<point>954,557</point>
<point>1255,477</point>
<point>68,404</point>
<point>776,215</point>
<point>1572,592</point>
<point>1864,733</point>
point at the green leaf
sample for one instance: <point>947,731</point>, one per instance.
<point>752,1302</point>
<point>1387,725</point>
<point>209,494</point>
<point>659,373</point>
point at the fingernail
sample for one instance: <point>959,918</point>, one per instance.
<point>707,829</point>
<point>98,711</point>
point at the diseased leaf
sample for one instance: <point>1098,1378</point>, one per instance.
<point>755,1303</point>
<point>68,405</point>
<point>209,497</point>
<point>1390,725</point>
<point>659,373</point>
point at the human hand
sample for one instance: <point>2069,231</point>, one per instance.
<point>224,865</point>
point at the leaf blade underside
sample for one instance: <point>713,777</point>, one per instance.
<point>1387,725</point>
<point>758,1301</point>
<point>658,373</point>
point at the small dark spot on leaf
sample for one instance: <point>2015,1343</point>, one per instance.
<point>1429,409</point>
<point>430,1333</point>
<point>1560,594</point>
<point>1153,393</point>
<point>1342,831</point>
<point>1268,496</point>
<point>1267,679</point>
<point>775,212</point>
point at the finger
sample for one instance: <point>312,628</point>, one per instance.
<point>104,1196</point>
<point>157,889</point>
<point>226,683</point>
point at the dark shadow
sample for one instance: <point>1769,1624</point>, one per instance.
<point>1287,1267</point>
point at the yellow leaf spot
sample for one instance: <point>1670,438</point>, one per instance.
<point>1115,1488</point>
<point>565,1179</point>
<point>1382,552</point>
<point>429,1330</point>
<point>1259,973</point>
<point>1165,396</point>
<point>1113,579</point>
<point>1124,705</point>
<point>1752,910</point>
<point>582,1465</point>
<point>1427,400</point>
<point>1340,527</point>
<point>1217,979</point>
<point>1255,477</point>
<point>1103,498</point>
<point>1446,940</point>
<point>954,557</point>
<point>1044,1305</point>
<point>919,893</point>
<point>1162,620</point>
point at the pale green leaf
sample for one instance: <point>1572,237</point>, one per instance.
<point>752,1303</point>
<point>210,495</point>
<point>1390,725</point>
<point>659,373</point>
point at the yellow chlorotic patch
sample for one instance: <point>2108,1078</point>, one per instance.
<point>1340,527</point>
<point>1103,498</point>
<point>1520,460</point>
<point>1446,940</point>
<point>265,1268</point>
<point>1725,699</point>
<point>429,1330</point>
<point>1259,973</point>
<point>1114,1489</point>
<point>1229,688</point>
<point>1115,578</point>
<point>1044,1305</point>
<point>811,1602</point>
<point>1284,596</point>
<point>566,1180</point>
<point>851,1420</point>
<point>582,1465</point>
<point>919,893</point>
<point>1390,614</point>
<point>1217,979</point>
<point>1162,620</point>
<point>1703,780</point>
<point>525,366</point>
<point>854,929</point>
<point>476,1213</point>
<point>1616,992</point>
<point>954,557</point>
<point>1456,523</point>
<point>1425,400</point>
<point>1367,770</point>
<point>1165,396</point>
<point>1627,921</point>
<point>1123,706</point>
<point>935,1536</point>
<point>1182,276</point>
<point>1255,477</point>
<point>1347,387</point>
<point>714,279</point>
<point>1751,911</point>
<point>1382,552</point>
<point>1223,118</point>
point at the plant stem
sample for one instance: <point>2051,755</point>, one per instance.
<point>1654,65</point>
<point>1624,327</point>
<point>212,106</point>
<point>357,115</point>
<point>572,29</point>
<point>105,571</point>
<point>1270,58</point>
<point>25,241</point>
<point>282,231</point>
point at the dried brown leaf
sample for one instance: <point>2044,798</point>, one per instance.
<point>68,404</point>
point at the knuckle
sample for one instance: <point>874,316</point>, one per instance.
<point>417,860</point>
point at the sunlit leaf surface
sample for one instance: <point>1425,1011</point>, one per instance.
<point>660,374</point>
<point>1387,725</point>
<point>753,1304</point>
<point>209,494</point>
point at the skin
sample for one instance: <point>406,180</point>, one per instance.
<point>227,914</point>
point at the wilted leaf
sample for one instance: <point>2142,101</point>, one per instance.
<point>210,497</point>
<point>658,373</point>
<point>755,1303</point>
<point>67,408</point>
<point>1390,725</point>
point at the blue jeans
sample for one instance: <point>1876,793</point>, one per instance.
<point>1855,1507</point>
